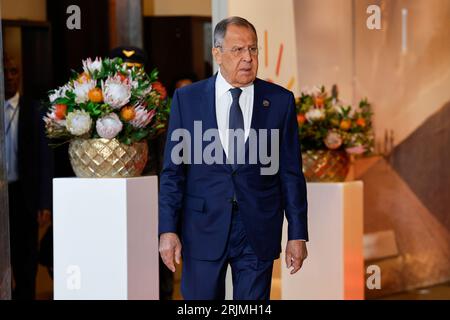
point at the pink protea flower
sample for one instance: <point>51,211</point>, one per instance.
<point>142,117</point>
<point>109,126</point>
<point>116,91</point>
<point>60,92</point>
<point>81,90</point>
<point>90,67</point>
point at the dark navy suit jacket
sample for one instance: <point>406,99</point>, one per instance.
<point>198,197</point>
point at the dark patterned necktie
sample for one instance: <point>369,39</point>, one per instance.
<point>236,121</point>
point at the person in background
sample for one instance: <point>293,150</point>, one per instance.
<point>132,56</point>
<point>29,163</point>
<point>183,80</point>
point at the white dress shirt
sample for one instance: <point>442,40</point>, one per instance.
<point>223,105</point>
<point>12,136</point>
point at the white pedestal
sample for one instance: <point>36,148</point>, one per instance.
<point>334,268</point>
<point>106,238</point>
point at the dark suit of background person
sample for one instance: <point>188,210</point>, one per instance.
<point>232,214</point>
<point>29,169</point>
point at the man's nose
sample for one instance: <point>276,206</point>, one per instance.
<point>247,55</point>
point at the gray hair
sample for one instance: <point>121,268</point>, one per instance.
<point>221,28</point>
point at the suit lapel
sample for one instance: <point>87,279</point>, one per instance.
<point>211,116</point>
<point>210,94</point>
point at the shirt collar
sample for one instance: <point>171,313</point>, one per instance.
<point>222,85</point>
<point>14,101</point>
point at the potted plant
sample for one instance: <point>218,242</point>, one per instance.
<point>330,132</point>
<point>106,113</point>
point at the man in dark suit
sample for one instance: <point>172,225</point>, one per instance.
<point>29,170</point>
<point>232,212</point>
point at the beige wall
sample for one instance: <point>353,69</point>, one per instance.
<point>324,44</point>
<point>335,46</point>
<point>406,88</point>
<point>24,9</point>
<point>277,18</point>
<point>177,8</point>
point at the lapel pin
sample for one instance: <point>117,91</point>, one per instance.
<point>266,103</point>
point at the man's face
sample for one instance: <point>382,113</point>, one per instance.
<point>238,64</point>
<point>12,78</point>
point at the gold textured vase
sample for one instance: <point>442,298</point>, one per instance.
<point>325,165</point>
<point>107,158</point>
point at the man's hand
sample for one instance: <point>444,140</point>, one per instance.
<point>44,217</point>
<point>296,253</point>
<point>170,248</point>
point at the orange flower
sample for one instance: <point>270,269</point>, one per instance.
<point>345,124</point>
<point>60,111</point>
<point>95,95</point>
<point>301,118</point>
<point>122,76</point>
<point>160,89</point>
<point>128,113</point>
<point>361,122</point>
<point>319,102</point>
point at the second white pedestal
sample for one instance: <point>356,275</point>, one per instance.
<point>334,268</point>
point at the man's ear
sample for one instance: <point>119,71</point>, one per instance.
<point>217,55</point>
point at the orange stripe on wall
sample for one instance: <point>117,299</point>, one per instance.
<point>280,55</point>
<point>266,48</point>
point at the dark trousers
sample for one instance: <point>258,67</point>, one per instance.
<point>252,277</point>
<point>165,282</point>
<point>23,229</point>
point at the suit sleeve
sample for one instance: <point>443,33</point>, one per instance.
<point>292,179</point>
<point>172,177</point>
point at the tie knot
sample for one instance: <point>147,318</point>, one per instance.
<point>236,93</point>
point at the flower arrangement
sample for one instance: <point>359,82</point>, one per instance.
<point>108,100</point>
<point>326,124</point>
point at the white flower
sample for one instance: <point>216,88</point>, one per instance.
<point>143,117</point>
<point>90,66</point>
<point>81,90</point>
<point>314,91</point>
<point>109,126</point>
<point>59,93</point>
<point>315,114</point>
<point>116,92</point>
<point>134,84</point>
<point>338,108</point>
<point>343,108</point>
<point>78,122</point>
<point>333,140</point>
